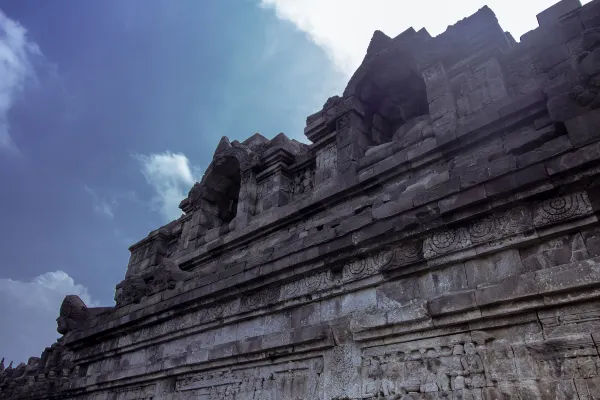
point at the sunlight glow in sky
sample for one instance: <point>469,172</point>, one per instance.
<point>344,29</point>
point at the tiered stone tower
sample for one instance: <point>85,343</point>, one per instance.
<point>439,239</point>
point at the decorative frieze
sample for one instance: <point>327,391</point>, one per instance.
<point>562,208</point>
<point>508,223</point>
<point>285,381</point>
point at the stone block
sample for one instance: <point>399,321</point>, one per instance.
<point>584,128</point>
<point>510,289</point>
<point>278,339</point>
<point>552,14</point>
<point>405,202</point>
<point>522,102</point>
<point>591,238</point>
<point>481,173</point>
<point>462,199</point>
<point>557,251</point>
<point>550,57</point>
<point>444,129</point>
<point>524,140</point>
<point>569,276</point>
<point>476,121</point>
<point>445,189</point>
<point>391,294</point>
<point>549,149</point>
<point>367,319</point>
<point>306,315</point>
<point>422,148</point>
<point>442,105</point>
<point>310,334</point>
<point>351,135</point>
<point>574,159</point>
<point>562,107</point>
<point>249,346</point>
<point>414,310</point>
<point>451,303</point>
<point>590,15</point>
<point>474,175</point>
<point>493,268</point>
<point>516,180</point>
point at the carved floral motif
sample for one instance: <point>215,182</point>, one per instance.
<point>264,188</point>
<point>562,208</point>
<point>446,241</point>
<point>368,266</point>
<point>261,298</point>
<point>407,253</point>
<point>510,222</point>
<point>302,182</point>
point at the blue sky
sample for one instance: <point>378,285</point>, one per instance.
<point>110,111</point>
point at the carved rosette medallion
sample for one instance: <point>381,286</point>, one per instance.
<point>408,253</point>
<point>447,241</point>
<point>515,220</point>
<point>482,230</point>
<point>371,265</point>
<point>313,283</point>
<point>562,208</point>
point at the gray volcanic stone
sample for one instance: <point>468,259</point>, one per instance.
<point>438,238</point>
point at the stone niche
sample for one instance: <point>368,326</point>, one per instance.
<point>437,239</point>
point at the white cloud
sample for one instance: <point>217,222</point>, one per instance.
<point>107,205</point>
<point>16,52</point>
<point>344,28</point>
<point>30,310</point>
<point>102,206</point>
<point>171,175</point>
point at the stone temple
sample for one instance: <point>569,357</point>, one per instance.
<point>438,239</point>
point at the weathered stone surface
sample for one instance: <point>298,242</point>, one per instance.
<point>438,239</point>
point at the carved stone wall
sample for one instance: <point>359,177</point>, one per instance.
<point>441,242</point>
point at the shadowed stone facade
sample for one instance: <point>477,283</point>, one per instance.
<point>439,239</point>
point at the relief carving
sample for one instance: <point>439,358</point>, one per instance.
<point>415,370</point>
<point>264,188</point>
<point>259,299</point>
<point>288,381</point>
<point>447,241</point>
<point>407,253</point>
<point>327,162</point>
<point>507,223</point>
<point>302,182</point>
<point>163,276</point>
<point>562,208</point>
<point>135,393</point>
<point>466,365</point>
<point>368,266</point>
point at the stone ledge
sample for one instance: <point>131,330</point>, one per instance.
<point>384,228</point>
<point>265,347</point>
<point>455,257</point>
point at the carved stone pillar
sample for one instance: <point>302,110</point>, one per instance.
<point>247,199</point>
<point>273,189</point>
<point>326,163</point>
<point>351,138</point>
<point>351,145</point>
<point>442,105</point>
<point>147,252</point>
